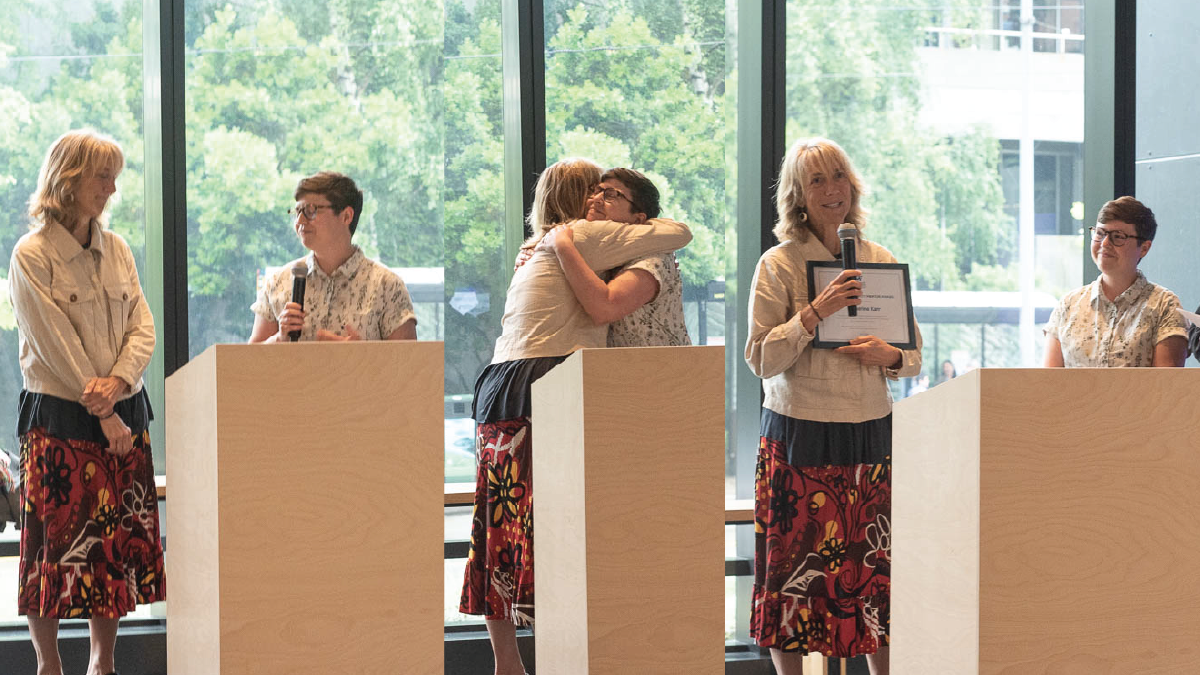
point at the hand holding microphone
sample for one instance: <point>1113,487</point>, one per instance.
<point>291,320</point>
<point>843,291</point>
<point>848,235</point>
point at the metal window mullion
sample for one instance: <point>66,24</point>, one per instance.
<point>523,45</point>
<point>166,210</point>
<point>761,58</point>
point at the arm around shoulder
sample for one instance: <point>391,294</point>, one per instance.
<point>607,244</point>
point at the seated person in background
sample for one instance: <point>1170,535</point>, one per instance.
<point>1120,319</point>
<point>1194,339</point>
<point>346,292</point>
<point>643,300</point>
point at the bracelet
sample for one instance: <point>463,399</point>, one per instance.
<point>108,415</point>
<point>814,309</point>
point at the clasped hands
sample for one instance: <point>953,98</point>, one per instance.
<point>100,394</point>
<point>845,291</point>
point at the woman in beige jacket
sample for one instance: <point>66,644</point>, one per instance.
<point>823,489</point>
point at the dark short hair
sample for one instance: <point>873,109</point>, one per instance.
<point>1129,210</point>
<point>338,188</point>
<point>645,195</point>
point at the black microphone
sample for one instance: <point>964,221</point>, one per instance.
<point>299,278</point>
<point>847,234</point>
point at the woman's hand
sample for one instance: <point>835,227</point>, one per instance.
<point>523,256</point>
<point>100,394</point>
<point>843,291</point>
<point>290,319</point>
<point>120,440</point>
<point>871,351</point>
<point>562,235</point>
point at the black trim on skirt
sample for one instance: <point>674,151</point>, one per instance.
<point>502,391</point>
<point>69,420</point>
<point>811,443</point>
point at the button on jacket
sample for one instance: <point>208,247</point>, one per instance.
<point>80,311</point>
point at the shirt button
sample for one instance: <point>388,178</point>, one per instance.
<point>124,296</point>
<point>74,297</point>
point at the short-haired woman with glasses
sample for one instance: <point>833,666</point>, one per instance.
<point>349,296</point>
<point>1120,319</point>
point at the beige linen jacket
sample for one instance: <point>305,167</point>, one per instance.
<point>800,381</point>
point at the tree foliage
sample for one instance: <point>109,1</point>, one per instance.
<point>406,97</point>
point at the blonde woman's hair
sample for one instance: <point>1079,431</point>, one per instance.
<point>74,156</point>
<point>561,194</point>
<point>803,159</point>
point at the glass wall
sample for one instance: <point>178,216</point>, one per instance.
<point>938,118</point>
<point>279,90</point>
<point>62,66</point>
<point>475,264</point>
<point>965,122</point>
<point>643,85</point>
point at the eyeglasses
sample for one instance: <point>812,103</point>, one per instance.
<point>307,210</point>
<point>1117,238</point>
<point>611,195</point>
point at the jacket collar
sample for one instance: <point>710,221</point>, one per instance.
<point>65,243</point>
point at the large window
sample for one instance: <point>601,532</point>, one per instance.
<point>476,281</point>
<point>938,107</point>
<point>965,121</point>
<point>62,66</point>
<point>643,85</point>
<point>476,278</point>
<point>279,90</point>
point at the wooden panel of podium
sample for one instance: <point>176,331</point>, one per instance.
<point>629,512</point>
<point>1044,521</point>
<point>305,522</point>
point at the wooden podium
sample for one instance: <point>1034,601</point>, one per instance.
<point>305,518</point>
<point>629,496</point>
<point>1044,521</point>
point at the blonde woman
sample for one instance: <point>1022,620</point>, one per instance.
<point>90,546</point>
<point>823,488</point>
<point>543,323</point>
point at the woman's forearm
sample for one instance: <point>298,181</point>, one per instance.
<point>589,289</point>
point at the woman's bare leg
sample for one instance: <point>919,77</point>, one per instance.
<point>103,643</point>
<point>503,635</point>
<point>787,663</point>
<point>878,662</point>
<point>44,633</point>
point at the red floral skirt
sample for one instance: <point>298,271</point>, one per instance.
<point>822,561</point>
<point>90,545</point>
<point>498,582</point>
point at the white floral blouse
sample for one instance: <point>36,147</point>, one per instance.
<point>660,322</point>
<point>1095,332</point>
<point>361,292</point>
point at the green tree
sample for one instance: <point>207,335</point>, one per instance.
<point>854,76</point>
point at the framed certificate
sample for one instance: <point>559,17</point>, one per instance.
<point>886,310</point>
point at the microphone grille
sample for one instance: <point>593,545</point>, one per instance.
<point>847,231</point>
<point>300,269</point>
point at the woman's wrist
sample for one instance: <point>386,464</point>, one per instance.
<point>110,414</point>
<point>816,313</point>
